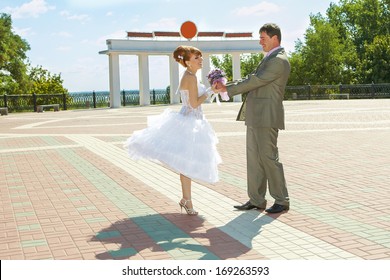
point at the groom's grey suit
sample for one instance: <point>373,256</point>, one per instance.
<point>263,113</point>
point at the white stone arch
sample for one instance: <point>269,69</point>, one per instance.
<point>143,48</point>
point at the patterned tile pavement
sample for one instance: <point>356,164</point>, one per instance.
<point>69,191</point>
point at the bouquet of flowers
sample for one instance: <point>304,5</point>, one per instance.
<point>217,75</point>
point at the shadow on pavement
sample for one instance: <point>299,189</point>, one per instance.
<point>178,236</point>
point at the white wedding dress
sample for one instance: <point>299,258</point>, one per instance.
<point>184,141</point>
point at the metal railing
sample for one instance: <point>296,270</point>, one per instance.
<point>82,100</point>
<point>25,103</point>
<point>318,92</point>
<point>157,96</point>
<point>101,99</point>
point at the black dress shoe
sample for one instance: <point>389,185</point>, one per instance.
<point>277,208</point>
<point>247,206</point>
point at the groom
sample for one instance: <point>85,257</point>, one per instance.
<point>263,113</point>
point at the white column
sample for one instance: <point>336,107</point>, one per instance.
<point>206,69</point>
<point>144,88</point>
<point>236,73</point>
<point>174,80</point>
<point>115,97</point>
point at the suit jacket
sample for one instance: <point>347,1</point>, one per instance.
<point>263,105</point>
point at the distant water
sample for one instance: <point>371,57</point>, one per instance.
<point>88,92</point>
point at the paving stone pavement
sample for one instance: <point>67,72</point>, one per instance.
<point>69,190</point>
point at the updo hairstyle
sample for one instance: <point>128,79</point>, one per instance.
<point>183,53</point>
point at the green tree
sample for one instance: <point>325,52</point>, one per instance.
<point>375,63</point>
<point>297,74</point>
<point>16,74</point>
<point>248,63</point>
<point>224,63</point>
<point>363,23</point>
<point>361,20</point>
<point>348,45</point>
<point>13,59</point>
<point>44,82</point>
<point>323,59</point>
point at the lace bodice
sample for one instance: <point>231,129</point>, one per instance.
<point>186,109</point>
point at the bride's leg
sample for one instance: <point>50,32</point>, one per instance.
<point>186,188</point>
<point>186,191</point>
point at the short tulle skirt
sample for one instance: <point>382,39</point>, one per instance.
<point>185,143</point>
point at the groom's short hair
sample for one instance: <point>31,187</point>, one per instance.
<point>272,29</point>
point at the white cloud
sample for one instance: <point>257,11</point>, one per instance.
<point>30,9</point>
<point>101,42</point>
<point>62,34</point>
<point>23,32</point>
<point>64,49</point>
<point>82,18</point>
<point>119,34</point>
<point>261,9</point>
<point>97,3</point>
<point>164,24</point>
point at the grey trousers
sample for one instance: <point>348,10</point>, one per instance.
<point>263,166</point>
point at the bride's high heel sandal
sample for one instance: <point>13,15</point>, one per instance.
<point>183,204</point>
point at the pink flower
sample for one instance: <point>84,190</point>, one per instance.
<point>224,95</point>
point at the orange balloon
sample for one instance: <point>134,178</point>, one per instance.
<point>188,30</point>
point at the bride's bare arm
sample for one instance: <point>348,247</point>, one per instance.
<point>190,83</point>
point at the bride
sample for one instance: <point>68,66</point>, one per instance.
<point>184,140</point>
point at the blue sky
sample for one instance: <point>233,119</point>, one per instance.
<point>66,36</point>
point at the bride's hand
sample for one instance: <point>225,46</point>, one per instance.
<point>216,87</point>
